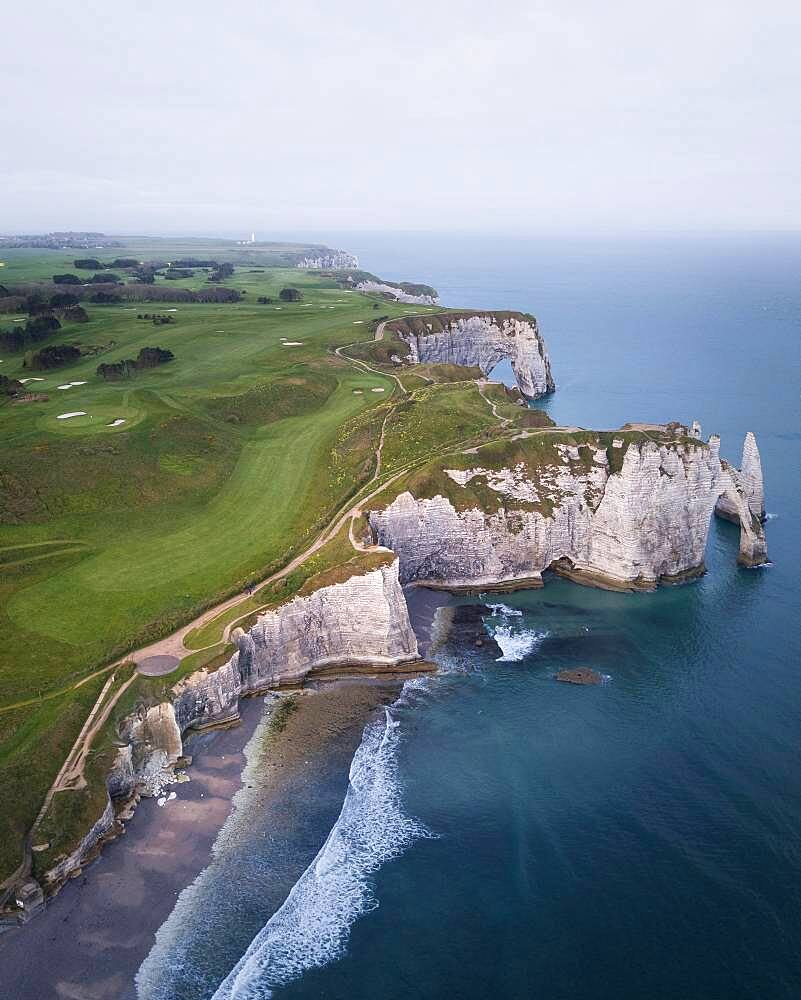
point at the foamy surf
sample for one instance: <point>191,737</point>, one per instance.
<point>516,644</point>
<point>504,609</point>
<point>312,927</point>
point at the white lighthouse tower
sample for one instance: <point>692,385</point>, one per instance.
<point>252,237</point>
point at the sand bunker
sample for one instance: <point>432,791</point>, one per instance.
<point>116,423</point>
<point>32,378</point>
<point>293,343</point>
<point>358,322</point>
<point>377,389</point>
<point>66,416</point>
<point>172,310</point>
<point>358,392</point>
<point>69,385</point>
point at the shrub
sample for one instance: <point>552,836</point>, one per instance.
<point>150,357</point>
<point>55,356</point>
<point>105,279</point>
<point>264,300</point>
<point>76,314</point>
<point>117,370</point>
<point>66,279</point>
<point>87,264</point>
<point>61,300</point>
<point>9,386</point>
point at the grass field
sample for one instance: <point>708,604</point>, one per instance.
<point>230,461</point>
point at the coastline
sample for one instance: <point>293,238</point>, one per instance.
<point>112,912</point>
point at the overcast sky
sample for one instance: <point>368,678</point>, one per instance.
<point>561,115</point>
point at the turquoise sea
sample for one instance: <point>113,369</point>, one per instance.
<point>507,836</point>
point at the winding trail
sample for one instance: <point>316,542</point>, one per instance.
<point>482,383</point>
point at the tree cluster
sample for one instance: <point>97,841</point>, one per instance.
<point>221,272</point>
<point>290,295</point>
<point>35,330</point>
<point>158,319</point>
<point>264,300</point>
<point>148,357</point>
<point>66,279</point>
<point>10,386</point>
<point>53,356</point>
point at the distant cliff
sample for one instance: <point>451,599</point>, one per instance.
<point>480,340</point>
<point>623,510</point>
<point>402,292</point>
<point>328,259</point>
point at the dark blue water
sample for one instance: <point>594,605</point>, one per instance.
<point>639,839</point>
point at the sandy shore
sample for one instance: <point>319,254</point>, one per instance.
<point>92,938</point>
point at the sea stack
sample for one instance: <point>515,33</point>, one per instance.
<point>749,479</point>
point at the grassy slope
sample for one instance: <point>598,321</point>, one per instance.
<point>231,458</point>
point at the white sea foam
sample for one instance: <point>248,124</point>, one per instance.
<point>312,927</point>
<point>516,644</point>
<point>504,609</point>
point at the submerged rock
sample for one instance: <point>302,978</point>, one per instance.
<point>579,675</point>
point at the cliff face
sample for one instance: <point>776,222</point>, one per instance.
<point>362,621</point>
<point>628,529</point>
<point>399,294</point>
<point>482,341</point>
<point>749,480</point>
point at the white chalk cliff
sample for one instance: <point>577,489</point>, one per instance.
<point>399,294</point>
<point>749,479</point>
<point>362,622</point>
<point>628,529</point>
<point>482,340</point>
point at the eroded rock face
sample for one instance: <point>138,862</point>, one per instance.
<point>749,479</point>
<point>628,529</point>
<point>482,341</point>
<point>361,621</point>
<point>399,294</point>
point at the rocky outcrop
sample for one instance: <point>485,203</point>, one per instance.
<point>749,480</point>
<point>482,340</point>
<point>619,512</point>
<point>363,621</point>
<point>88,844</point>
<point>336,260</point>
<point>398,293</point>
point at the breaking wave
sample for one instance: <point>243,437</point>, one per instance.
<point>312,927</point>
<point>516,644</point>
<point>504,609</point>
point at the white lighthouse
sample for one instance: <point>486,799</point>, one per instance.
<point>252,237</point>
